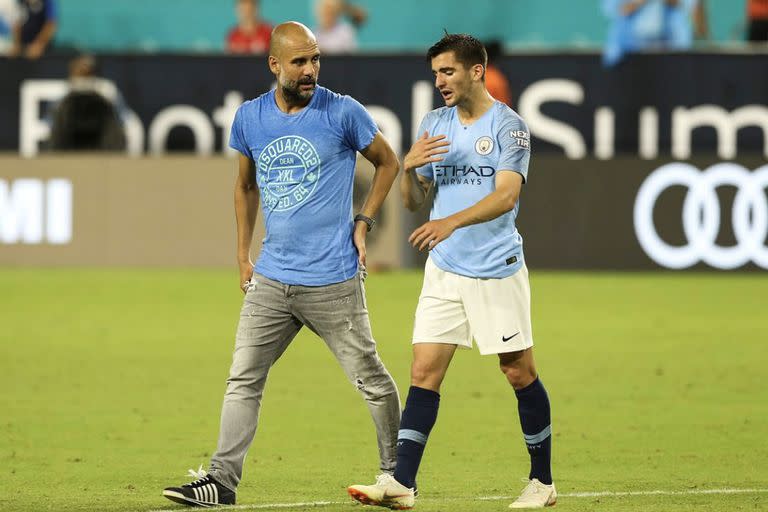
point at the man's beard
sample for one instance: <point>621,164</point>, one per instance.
<point>293,93</point>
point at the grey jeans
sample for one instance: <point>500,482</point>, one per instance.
<point>271,316</point>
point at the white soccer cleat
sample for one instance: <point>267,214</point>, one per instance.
<point>536,495</point>
<point>386,492</point>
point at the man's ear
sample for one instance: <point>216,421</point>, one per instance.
<point>477,72</point>
<point>274,64</point>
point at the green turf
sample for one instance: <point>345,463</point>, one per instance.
<point>111,384</point>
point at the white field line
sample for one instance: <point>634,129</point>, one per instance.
<point>593,494</point>
<point>598,494</point>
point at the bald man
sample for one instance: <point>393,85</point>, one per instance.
<point>298,146</point>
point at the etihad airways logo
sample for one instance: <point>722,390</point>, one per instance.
<point>462,174</point>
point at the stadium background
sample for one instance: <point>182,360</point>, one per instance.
<point>117,283</point>
<point>395,26</point>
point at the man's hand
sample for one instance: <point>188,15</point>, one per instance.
<point>432,233</point>
<point>358,238</point>
<point>425,151</point>
<point>35,50</point>
<point>246,273</point>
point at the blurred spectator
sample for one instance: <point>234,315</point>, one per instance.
<point>495,81</point>
<point>638,25</point>
<point>333,34</point>
<point>88,117</point>
<point>9,15</point>
<point>757,20</point>
<point>35,29</point>
<point>252,34</point>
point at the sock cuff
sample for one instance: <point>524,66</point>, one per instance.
<point>533,387</point>
<point>421,395</point>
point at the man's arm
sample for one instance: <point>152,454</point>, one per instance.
<point>414,188</point>
<point>246,207</point>
<point>631,7</point>
<point>386,165</point>
<point>36,48</point>
<point>700,20</point>
<point>15,50</point>
<point>356,14</point>
<point>495,204</point>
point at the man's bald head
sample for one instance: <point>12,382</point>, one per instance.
<point>290,35</point>
<point>294,59</point>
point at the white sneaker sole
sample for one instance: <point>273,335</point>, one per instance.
<point>367,500</point>
<point>529,507</point>
<point>180,498</point>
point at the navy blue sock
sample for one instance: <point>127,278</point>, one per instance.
<point>418,418</point>
<point>533,407</point>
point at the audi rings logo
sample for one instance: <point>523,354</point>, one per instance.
<point>701,216</point>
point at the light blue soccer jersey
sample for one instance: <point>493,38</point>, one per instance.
<point>498,141</point>
<point>305,166</point>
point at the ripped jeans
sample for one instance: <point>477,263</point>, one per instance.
<point>271,316</point>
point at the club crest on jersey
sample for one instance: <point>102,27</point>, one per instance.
<point>484,145</point>
<point>288,172</point>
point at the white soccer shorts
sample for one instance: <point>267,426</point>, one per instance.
<point>454,309</point>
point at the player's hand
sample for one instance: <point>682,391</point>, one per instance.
<point>432,233</point>
<point>246,273</point>
<point>425,150</point>
<point>358,238</point>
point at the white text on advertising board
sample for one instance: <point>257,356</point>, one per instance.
<point>35,211</point>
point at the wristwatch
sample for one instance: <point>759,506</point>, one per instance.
<point>368,221</point>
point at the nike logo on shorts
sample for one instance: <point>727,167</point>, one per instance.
<point>505,339</point>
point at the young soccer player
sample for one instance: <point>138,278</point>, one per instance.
<point>474,153</point>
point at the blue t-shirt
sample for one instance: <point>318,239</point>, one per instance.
<point>498,141</point>
<point>305,168</point>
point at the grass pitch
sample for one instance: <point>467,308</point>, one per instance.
<point>111,384</point>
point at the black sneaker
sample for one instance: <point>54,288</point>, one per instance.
<point>203,492</point>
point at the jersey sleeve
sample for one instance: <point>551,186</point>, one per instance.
<point>515,146</point>
<point>237,135</point>
<point>359,127</point>
<point>425,170</point>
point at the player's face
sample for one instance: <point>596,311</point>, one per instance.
<point>452,78</point>
<point>298,69</point>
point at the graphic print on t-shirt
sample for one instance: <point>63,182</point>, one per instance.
<point>289,168</point>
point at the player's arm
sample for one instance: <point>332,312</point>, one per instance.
<point>386,166</point>
<point>414,187</point>
<point>246,207</point>
<point>495,204</point>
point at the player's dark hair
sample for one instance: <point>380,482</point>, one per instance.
<point>468,50</point>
